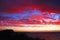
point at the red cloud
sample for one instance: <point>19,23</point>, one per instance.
<point>19,6</point>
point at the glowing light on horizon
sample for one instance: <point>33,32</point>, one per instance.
<point>38,28</point>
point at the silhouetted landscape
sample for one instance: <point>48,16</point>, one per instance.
<point>11,35</point>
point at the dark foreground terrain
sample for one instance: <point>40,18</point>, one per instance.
<point>11,35</point>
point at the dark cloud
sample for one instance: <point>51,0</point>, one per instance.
<point>14,6</point>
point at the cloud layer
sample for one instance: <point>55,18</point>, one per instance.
<point>16,6</point>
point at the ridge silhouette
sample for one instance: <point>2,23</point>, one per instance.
<point>11,35</point>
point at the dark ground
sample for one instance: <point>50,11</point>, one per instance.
<point>11,35</point>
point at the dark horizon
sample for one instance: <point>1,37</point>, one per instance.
<point>10,34</point>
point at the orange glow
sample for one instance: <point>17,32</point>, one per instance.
<point>33,28</point>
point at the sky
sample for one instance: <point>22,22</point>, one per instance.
<point>17,6</point>
<point>16,9</point>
